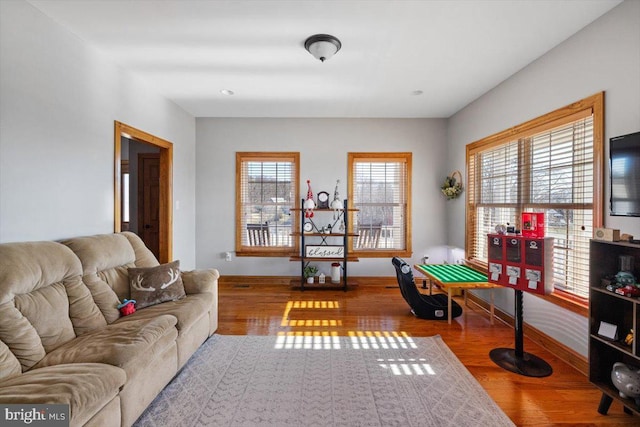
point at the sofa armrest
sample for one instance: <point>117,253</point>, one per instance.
<point>199,281</point>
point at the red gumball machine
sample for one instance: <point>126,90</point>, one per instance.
<point>523,263</point>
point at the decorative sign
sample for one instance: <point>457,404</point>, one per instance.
<point>324,251</point>
<point>608,330</point>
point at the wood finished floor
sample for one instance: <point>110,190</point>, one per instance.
<point>564,398</point>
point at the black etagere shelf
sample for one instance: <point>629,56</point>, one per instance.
<point>320,235</point>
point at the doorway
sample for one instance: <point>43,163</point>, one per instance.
<point>149,201</point>
<point>149,188</point>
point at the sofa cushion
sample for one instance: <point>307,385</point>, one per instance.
<point>27,266</point>
<point>197,281</point>
<point>83,311</point>
<point>43,302</point>
<point>153,285</point>
<point>20,336</point>
<point>127,345</point>
<point>105,261</point>
<point>144,256</point>
<point>9,365</point>
<point>186,310</point>
<point>86,387</point>
<point>47,309</point>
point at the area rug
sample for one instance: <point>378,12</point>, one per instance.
<point>323,381</point>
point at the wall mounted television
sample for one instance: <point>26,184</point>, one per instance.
<point>624,158</point>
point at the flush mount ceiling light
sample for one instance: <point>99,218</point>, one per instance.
<point>322,46</point>
<point>227,92</point>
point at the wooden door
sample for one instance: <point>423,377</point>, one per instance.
<point>149,201</point>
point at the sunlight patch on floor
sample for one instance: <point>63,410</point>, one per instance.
<point>310,305</point>
<point>307,340</point>
<point>407,366</point>
<point>381,339</point>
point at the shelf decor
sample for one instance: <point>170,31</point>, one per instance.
<point>310,272</point>
<point>452,186</point>
<point>324,251</point>
<point>308,204</point>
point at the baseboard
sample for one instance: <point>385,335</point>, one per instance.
<point>565,353</point>
<point>286,280</point>
<point>254,280</point>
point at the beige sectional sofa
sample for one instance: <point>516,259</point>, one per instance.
<point>63,339</point>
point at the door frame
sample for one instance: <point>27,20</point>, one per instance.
<point>166,183</point>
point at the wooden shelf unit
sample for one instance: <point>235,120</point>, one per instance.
<point>624,312</point>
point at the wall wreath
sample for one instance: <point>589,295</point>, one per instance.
<point>452,186</point>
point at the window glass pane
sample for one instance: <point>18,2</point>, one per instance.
<point>499,178</point>
<point>125,197</point>
<point>487,218</point>
<point>571,230</point>
<point>268,191</point>
<point>380,195</point>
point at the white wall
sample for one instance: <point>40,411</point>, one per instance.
<point>604,56</point>
<point>323,145</point>
<point>58,102</point>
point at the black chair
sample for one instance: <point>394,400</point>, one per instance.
<point>431,307</point>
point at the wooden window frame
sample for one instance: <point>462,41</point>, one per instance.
<point>593,105</point>
<point>380,253</point>
<point>266,251</point>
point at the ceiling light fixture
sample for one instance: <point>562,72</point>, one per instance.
<point>226,92</point>
<point>322,46</point>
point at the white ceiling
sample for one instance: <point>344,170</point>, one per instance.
<point>453,51</point>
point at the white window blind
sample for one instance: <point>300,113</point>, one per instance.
<point>550,172</point>
<point>267,193</point>
<point>380,192</point>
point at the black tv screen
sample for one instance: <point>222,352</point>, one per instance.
<point>624,155</point>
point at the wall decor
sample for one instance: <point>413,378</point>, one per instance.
<point>452,186</point>
<point>324,251</point>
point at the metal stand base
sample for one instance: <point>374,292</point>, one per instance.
<point>528,365</point>
<point>516,360</point>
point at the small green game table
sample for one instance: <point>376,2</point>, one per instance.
<point>450,277</point>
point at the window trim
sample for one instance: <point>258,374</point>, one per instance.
<point>592,105</point>
<point>266,251</point>
<point>369,253</point>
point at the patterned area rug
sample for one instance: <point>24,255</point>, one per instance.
<point>323,381</point>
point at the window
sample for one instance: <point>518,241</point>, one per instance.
<point>266,192</point>
<point>552,164</point>
<point>379,188</point>
<point>124,179</point>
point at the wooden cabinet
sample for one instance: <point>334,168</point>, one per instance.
<point>324,240</point>
<point>614,309</point>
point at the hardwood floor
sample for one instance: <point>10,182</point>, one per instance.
<point>564,398</point>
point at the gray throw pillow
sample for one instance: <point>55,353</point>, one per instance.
<point>153,285</point>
